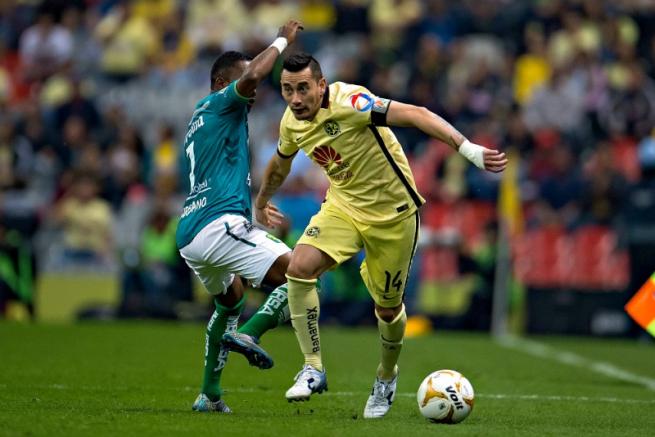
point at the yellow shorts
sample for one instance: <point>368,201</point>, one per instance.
<point>389,249</point>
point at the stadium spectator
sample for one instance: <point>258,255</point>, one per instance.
<point>213,24</point>
<point>78,105</point>
<point>604,188</point>
<point>561,190</point>
<point>558,104</point>
<point>128,163</point>
<point>177,50</point>
<point>45,48</point>
<point>129,43</point>
<point>86,220</point>
<point>16,157</point>
<point>631,107</point>
<point>157,280</point>
<point>165,154</point>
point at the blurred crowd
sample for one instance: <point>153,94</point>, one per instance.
<point>95,96</point>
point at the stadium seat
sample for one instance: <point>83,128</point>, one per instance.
<point>542,256</point>
<point>624,154</point>
<point>439,263</point>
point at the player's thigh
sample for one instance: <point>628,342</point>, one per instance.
<point>308,262</point>
<point>228,246</point>
<point>276,275</point>
<point>233,294</point>
<point>215,278</point>
<point>389,252</point>
<point>254,253</point>
<point>330,232</point>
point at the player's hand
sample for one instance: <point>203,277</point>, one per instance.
<point>290,30</point>
<point>269,215</point>
<point>494,160</point>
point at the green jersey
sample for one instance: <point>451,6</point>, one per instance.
<point>218,158</point>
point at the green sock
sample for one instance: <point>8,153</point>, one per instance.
<point>273,312</point>
<point>223,320</point>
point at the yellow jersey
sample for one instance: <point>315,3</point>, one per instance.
<point>370,178</point>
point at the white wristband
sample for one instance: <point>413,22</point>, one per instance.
<point>473,153</point>
<point>280,43</point>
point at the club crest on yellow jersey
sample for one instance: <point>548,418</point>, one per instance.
<point>331,128</point>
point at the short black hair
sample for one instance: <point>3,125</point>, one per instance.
<point>299,61</point>
<point>224,63</point>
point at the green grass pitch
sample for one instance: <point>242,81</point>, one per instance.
<point>141,378</point>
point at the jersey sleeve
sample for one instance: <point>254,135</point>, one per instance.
<point>286,148</point>
<point>229,99</point>
<point>366,108</point>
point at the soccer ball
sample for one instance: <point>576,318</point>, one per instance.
<point>445,396</point>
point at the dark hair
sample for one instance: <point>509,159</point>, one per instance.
<point>224,63</point>
<point>300,61</point>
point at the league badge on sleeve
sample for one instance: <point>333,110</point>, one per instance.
<point>380,105</point>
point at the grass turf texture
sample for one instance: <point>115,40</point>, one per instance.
<point>141,378</point>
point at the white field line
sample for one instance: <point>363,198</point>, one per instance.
<point>522,397</point>
<point>542,350</point>
<point>364,394</point>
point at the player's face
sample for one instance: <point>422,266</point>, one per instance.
<point>302,92</point>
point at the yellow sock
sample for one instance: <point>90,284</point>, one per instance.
<point>304,308</point>
<point>391,338</point>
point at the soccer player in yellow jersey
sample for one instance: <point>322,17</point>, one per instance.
<point>372,203</point>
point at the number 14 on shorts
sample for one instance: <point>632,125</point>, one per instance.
<point>396,282</point>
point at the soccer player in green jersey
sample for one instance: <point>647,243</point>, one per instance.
<point>215,234</point>
<point>371,204</point>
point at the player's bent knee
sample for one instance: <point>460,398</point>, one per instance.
<point>276,274</point>
<point>302,270</point>
<point>388,314</point>
<point>233,294</point>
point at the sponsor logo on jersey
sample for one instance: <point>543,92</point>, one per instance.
<point>326,155</point>
<point>331,128</point>
<point>361,102</point>
<point>200,188</point>
<point>313,231</point>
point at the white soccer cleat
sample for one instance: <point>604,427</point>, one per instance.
<point>381,398</point>
<point>308,381</point>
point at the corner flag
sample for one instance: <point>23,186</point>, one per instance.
<point>641,307</point>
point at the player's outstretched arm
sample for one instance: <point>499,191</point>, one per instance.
<point>276,172</point>
<point>263,63</point>
<point>405,115</point>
